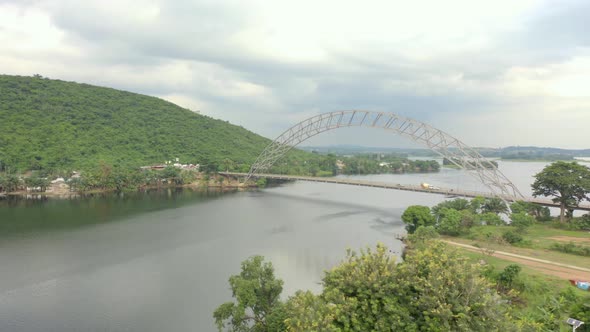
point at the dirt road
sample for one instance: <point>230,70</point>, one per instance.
<point>560,270</point>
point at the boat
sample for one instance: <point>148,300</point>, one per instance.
<point>583,285</point>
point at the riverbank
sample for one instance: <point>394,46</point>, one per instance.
<point>209,182</point>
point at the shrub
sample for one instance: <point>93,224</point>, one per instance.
<point>507,277</point>
<point>490,218</point>
<point>582,223</point>
<point>521,220</point>
<point>422,234</point>
<point>512,237</point>
<point>261,183</point>
<point>571,248</point>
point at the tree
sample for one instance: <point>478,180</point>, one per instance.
<point>417,215</point>
<point>476,203</point>
<point>434,289</point>
<point>568,183</point>
<point>490,218</point>
<point>519,206</point>
<point>228,164</point>
<point>450,222</point>
<point>422,235</point>
<point>539,212</point>
<point>10,182</point>
<point>495,205</point>
<point>172,175</point>
<point>507,277</point>
<point>257,291</point>
<point>444,292</point>
<point>37,183</point>
<point>361,294</point>
<point>521,220</point>
<point>309,312</point>
<point>458,204</point>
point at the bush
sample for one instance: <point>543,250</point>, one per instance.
<point>512,237</point>
<point>575,224</point>
<point>467,219</point>
<point>580,224</point>
<point>422,234</point>
<point>571,248</point>
<point>458,204</point>
<point>490,218</point>
<point>521,220</point>
<point>261,183</point>
<point>507,277</point>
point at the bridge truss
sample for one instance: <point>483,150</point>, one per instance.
<point>438,141</point>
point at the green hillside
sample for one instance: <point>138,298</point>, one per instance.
<point>51,125</point>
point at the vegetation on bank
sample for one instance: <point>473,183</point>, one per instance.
<point>435,288</point>
<point>537,303</point>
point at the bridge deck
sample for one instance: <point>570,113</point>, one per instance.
<point>416,188</point>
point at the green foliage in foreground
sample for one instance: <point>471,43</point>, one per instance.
<point>434,289</point>
<point>256,291</point>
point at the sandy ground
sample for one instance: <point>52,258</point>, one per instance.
<point>556,269</point>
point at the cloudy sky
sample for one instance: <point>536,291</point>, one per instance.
<point>492,73</point>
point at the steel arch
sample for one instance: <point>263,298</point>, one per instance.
<point>438,141</point>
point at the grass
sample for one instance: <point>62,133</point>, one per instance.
<point>499,264</point>
<point>537,242</point>
<point>535,288</point>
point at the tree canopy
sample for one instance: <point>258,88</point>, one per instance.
<point>568,183</point>
<point>417,215</point>
<point>257,306</point>
<point>434,289</point>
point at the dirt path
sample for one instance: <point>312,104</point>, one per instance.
<point>570,239</point>
<point>560,270</point>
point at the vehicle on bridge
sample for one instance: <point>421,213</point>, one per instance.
<point>425,185</point>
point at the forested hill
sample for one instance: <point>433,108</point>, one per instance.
<point>51,124</point>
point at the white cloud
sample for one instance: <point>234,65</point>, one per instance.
<point>268,64</point>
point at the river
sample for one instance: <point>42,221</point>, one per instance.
<point>160,261</point>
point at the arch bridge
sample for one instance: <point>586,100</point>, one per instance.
<point>436,140</point>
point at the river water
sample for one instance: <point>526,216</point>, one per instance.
<point>160,261</point>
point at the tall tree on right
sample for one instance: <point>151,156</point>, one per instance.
<point>568,183</point>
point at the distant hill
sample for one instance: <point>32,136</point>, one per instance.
<point>52,124</point>
<point>515,150</point>
<point>511,152</point>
